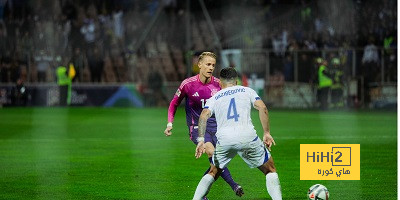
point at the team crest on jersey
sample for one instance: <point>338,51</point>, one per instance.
<point>178,92</point>
<point>213,91</point>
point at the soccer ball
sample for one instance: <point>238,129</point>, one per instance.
<point>318,192</point>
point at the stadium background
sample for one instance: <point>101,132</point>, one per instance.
<point>145,48</point>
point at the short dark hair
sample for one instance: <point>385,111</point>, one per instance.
<point>228,73</point>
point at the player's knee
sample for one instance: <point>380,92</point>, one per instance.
<point>271,169</point>
<point>214,171</point>
<point>268,167</point>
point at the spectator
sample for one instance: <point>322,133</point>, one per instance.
<point>43,63</point>
<point>79,61</point>
<point>288,67</point>
<point>4,41</point>
<point>88,31</point>
<point>390,46</point>
<point>96,65</point>
<point>26,44</point>
<point>370,67</point>
<point>19,93</point>
<point>305,63</point>
<point>337,83</point>
<point>5,64</point>
<point>4,99</point>
<point>325,83</point>
<point>40,40</point>
<point>64,85</point>
<point>75,36</point>
<point>105,32</point>
<point>279,43</point>
<point>14,70</point>
<point>118,26</point>
<point>155,84</point>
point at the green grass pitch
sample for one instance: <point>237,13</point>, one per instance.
<point>122,153</point>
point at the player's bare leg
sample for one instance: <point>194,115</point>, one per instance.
<point>225,174</point>
<point>272,179</point>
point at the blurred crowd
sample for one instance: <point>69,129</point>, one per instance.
<point>38,36</point>
<point>102,39</point>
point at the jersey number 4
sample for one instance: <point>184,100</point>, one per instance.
<point>232,112</point>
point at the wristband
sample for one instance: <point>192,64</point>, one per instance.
<point>200,139</point>
<point>169,124</point>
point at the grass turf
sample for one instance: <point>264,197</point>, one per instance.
<point>122,153</point>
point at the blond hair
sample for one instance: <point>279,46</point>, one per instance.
<point>207,53</point>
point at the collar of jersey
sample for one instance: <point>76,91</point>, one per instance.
<point>198,79</point>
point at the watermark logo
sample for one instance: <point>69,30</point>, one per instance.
<point>329,161</point>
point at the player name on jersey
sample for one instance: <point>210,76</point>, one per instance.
<point>230,92</point>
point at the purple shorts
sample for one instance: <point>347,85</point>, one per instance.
<point>208,136</point>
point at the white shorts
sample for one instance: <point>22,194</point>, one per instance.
<point>253,153</point>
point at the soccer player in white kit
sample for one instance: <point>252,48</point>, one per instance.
<point>236,134</point>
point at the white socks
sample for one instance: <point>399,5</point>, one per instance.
<point>203,187</point>
<point>273,186</point>
<point>272,181</point>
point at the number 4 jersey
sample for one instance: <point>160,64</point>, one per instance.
<point>232,109</point>
<point>196,94</point>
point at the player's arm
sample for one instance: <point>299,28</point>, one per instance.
<point>205,114</point>
<point>173,106</point>
<point>264,119</point>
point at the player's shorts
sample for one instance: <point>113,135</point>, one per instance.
<point>208,136</point>
<point>253,153</point>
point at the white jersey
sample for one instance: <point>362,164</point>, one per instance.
<point>232,109</point>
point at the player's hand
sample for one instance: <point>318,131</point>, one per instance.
<point>268,140</point>
<point>168,131</point>
<point>200,149</point>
